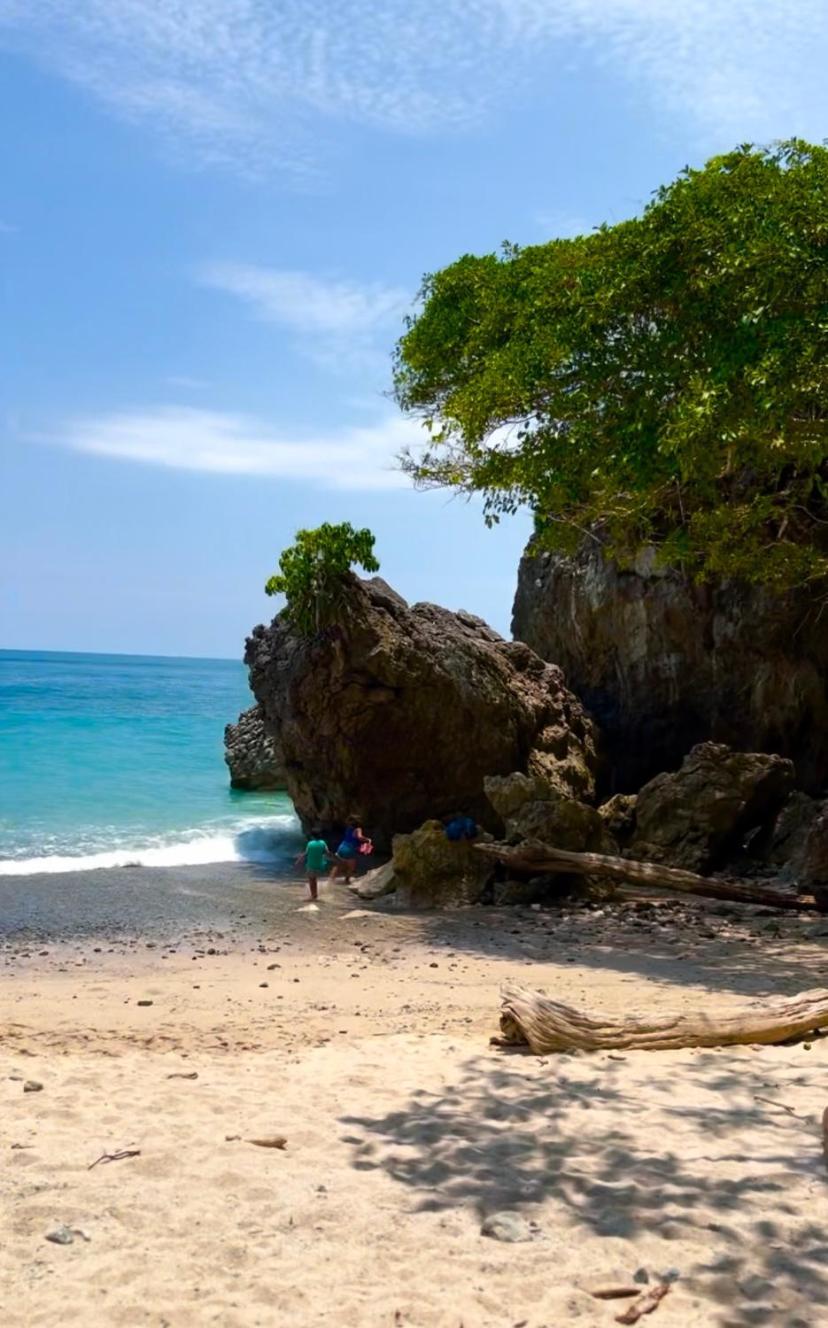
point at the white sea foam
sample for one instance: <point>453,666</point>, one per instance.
<point>269,840</point>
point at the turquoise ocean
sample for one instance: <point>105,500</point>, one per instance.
<point>109,760</point>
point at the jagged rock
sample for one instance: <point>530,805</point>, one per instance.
<point>533,808</point>
<point>399,713</point>
<point>787,841</point>
<point>376,883</point>
<point>662,663</point>
<point>432,871</point>
<point>618,815</point>
<point>694,817</point>
<point>814,869</point>
<point>252,753</point>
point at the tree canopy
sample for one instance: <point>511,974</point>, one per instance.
<point>313,573</point>
<point>663,380</point>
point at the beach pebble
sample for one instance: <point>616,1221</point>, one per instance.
<point>61,1235</point>
<point>32,1086</point>
<point>510,1227</point>
<point>641,1276</point>
<point>145,1002</point>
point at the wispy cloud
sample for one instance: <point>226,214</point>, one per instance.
<point>178,438</point>
<point>307,303</point>
<point>339,323</point>
<point>249,82</point>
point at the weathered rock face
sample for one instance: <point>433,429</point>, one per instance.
<point>432,872</point>
<point>252,753</point>
<point>662,664</point>
<point>398,715</point>
<point>532,808</point>
<point>694,817</point>
<point>787,841</point>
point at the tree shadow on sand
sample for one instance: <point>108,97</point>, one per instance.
<point>502,1137</point>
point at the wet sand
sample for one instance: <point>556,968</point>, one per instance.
<point>361,1036</point>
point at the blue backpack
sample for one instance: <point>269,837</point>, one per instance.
<point>461,827</point>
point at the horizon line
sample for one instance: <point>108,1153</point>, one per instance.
<point>119,654</point>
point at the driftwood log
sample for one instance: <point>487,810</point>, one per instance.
<point>541,858</point>
<point>530,1018</point>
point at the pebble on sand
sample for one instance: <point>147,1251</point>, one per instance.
<point>509,1227</point>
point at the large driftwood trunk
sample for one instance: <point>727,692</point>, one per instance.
<point>537,857</point>
<point>528,1017</point>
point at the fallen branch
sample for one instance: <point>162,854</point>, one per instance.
<point>546,1025</point>
<point>772,1102</point>
<point>645,1304</point>
<point>537,857</point>
<point>115,1157</point>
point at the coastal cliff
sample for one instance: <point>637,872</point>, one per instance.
<point>399,713</point>
<point>662,663</point>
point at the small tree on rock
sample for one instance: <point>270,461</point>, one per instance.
<point>313,573</point>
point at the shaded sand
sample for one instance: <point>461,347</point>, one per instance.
<point>368,1049</point>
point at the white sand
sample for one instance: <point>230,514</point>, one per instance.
<point>368,1049</point>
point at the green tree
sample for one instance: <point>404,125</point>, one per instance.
<point>663,380</point>
<point>313,573</point>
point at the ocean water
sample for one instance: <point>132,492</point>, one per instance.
<point>109,760</point>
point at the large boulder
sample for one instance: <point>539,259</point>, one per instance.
<point>252,753</point>
<point>532,807</point>
<point>432,871</point>
<point>787,842</point>
<point>696,816</point>
<point>663,664</point>
<point>813,874</point>
<point>398,714</point>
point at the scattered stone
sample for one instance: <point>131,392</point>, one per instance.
<point>144,1002</point>
<point>509,1227</point>
<point>32,1086</point>
<point>61,1235</point>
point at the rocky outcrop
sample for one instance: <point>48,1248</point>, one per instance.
<point>431,871</point>
<point>663,664</point>
<point>252,753</point>
<point>787,841</point>
<point>532,808</point>
<point>397,715</point>
<point>695,817</point>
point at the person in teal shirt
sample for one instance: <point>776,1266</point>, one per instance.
<point>316,858</point>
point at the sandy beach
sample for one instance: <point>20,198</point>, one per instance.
<point>180,1015</point>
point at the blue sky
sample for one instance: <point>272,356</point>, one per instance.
<point>214,215</point>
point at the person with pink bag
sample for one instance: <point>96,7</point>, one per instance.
<point>353,843</point>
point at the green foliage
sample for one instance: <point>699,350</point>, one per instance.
<point>664,380</point>
<point>313,573</point>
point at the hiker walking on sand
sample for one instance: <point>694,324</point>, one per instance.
<point>352,844</point>
<point>316,857</point>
